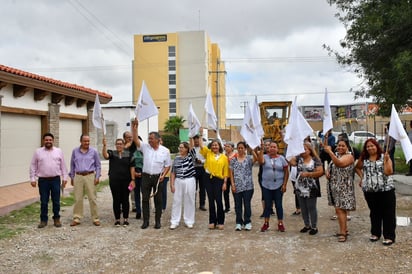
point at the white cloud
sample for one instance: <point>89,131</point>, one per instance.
<point>90,42</point>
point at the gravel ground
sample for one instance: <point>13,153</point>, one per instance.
<point>109,249</point>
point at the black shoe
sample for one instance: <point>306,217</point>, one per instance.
<point>134,210</point>
<point>408,174</point>
<point>145,225</point>
<point>202,208</point>
<point>138,216</point>
<point>125,223</point>
<point>313,231</point>
<point>157,225</point>
<point>117,223</point>
<point>305,229</point>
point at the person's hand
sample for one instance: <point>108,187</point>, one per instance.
<point>104,142</point>
<point>233,188</point>
<point>224,186</point>
<point>96,181</point>
<point>284,188</point>
<point>386,156</point>
<point>172,188</point>
<point>64,183</point>
<point>72,181</point>
<point>33,184</point>
<point>135,123</point>
<point>327,149</point>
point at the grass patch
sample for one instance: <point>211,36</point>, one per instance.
<point>16,222</point>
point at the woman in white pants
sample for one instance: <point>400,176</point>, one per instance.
<point>183,186</point>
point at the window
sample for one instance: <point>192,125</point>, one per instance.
<point>172,79</point>
<point>172,107</point>
<point>172,93</point>
<point>172,65</point>
<point>172,51</point>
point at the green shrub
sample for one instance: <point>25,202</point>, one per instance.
<point>171,142</point>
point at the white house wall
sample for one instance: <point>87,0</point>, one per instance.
<point>20,134</point>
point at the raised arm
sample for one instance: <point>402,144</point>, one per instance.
<point>104,150</point>
<point>135,133</point>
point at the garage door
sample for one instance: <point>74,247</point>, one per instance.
<point>20,136</point>
<point>70,131</point>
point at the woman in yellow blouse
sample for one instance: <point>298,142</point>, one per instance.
<point>216,176</point>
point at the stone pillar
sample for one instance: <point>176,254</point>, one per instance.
<point>54,122</point>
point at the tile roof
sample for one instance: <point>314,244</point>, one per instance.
<point>52,81</point>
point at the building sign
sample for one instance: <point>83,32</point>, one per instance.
<point>155,38</point>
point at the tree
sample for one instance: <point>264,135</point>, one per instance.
<point>378,48</point>
<point>173,124</point>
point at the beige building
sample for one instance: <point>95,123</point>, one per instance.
<point>31,105</point>
<point>179,69</point>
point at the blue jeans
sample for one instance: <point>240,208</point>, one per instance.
<point>273,195</point>
<point>137,192</point>
<point>243,199</point>
<point>47,188</point>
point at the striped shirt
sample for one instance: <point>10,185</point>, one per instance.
<point>184,167</point>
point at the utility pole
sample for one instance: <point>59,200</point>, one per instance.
<point>243,106</point>
<point>217,71</point>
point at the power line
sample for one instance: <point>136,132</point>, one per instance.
<point>81,10</point>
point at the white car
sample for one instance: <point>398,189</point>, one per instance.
<point>359,137</point>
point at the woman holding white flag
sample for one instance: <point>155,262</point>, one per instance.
<point>375,170</point>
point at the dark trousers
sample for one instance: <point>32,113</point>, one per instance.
<point>297,206</point>
<point>149,183</point>
<point>164,193</point>
<point>49,187</point>
<point>273,195</point>
<point>200,185</point>
<point>382,207</point>
<point>214,195</point>
<point>309,211</point>
<point>243,200</point>
<point>226,194</point>
<point>120,194</point>
<point>137,197</point>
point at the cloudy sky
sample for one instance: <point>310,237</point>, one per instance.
<point>272,49</point>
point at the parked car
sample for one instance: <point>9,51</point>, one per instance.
<point>359,137</point>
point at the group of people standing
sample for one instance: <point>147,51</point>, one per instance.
<point>142,167</point>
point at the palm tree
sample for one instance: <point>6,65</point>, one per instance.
<point>173,124</point>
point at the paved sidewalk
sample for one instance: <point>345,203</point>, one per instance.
<point>17,196</point>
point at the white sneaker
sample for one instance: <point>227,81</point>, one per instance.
<point>173,226</point>
<point>189,226</point>
<point>238,227</point>
<point>248,226</point>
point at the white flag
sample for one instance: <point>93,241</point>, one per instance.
<point>327,114</point>
<point>296,132</point>
<point>211,119</point>
<point>397,132</point>
<point>248,130</point>
<point>145,107</point>
<point>257,122</point>
<point>98,120</point>
<point>193,122</point>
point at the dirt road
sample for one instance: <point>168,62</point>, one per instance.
<point>109,249</point>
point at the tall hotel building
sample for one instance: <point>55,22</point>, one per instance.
<point>179,69</point>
